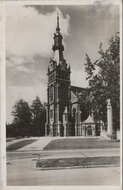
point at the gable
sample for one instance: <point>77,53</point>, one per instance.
<point>88,120</point>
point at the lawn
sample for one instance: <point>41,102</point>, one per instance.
<point>20,144</point>
<point>81,143</point>
<point>9,139</point>
<point>82,162</point>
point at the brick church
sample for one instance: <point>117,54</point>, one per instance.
<point>64,108</point>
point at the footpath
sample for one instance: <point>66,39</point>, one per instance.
<point>61,159</point>
<point>31,165</point>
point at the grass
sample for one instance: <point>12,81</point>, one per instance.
<point>81,143</point>
<point>71,162</point>
<point>9,139</point>
<point>20,144</point>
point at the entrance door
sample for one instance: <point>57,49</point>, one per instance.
<point>89,130</point>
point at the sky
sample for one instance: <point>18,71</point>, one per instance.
<point>29,40</point>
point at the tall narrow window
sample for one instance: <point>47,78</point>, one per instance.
<point>51,113</point>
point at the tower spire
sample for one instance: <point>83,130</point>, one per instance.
<point>58,47</point>
<point>57,28</point>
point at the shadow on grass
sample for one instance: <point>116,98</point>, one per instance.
<point>20,144</point>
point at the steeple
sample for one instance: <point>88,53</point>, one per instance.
<point>57,28</point>
<point>58,91</point>
<point>58,47</point>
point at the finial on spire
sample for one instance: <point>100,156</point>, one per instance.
<point>57,28</point>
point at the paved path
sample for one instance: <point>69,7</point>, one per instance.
<point>80,153</point>
<point>38,145</point>
<point>21,168</point>
<point>42,142</point>
<point>23,172</point>
<point>62,154</point>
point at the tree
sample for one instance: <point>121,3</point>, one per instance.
<point>104,81</point>
<point>38,117</point>
<point>22,118</point>
<point>10,130</point>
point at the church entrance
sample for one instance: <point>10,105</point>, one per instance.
<point>89,130</point>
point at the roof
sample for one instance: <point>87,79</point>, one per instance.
<point>89,120</point>
<point>76,89</point>
<point>73,97</point>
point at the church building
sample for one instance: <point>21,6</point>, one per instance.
<point>64,109</point>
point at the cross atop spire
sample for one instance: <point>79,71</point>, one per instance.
<point>57,28</point>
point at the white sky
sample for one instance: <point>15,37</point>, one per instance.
<point>29,40</point>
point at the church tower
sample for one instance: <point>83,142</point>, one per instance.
<point>58,90</point>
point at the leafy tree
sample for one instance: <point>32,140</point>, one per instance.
<point>104,81</point>
<point>10,130</point>
<point>38,117</point>
<point>22,118</point>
